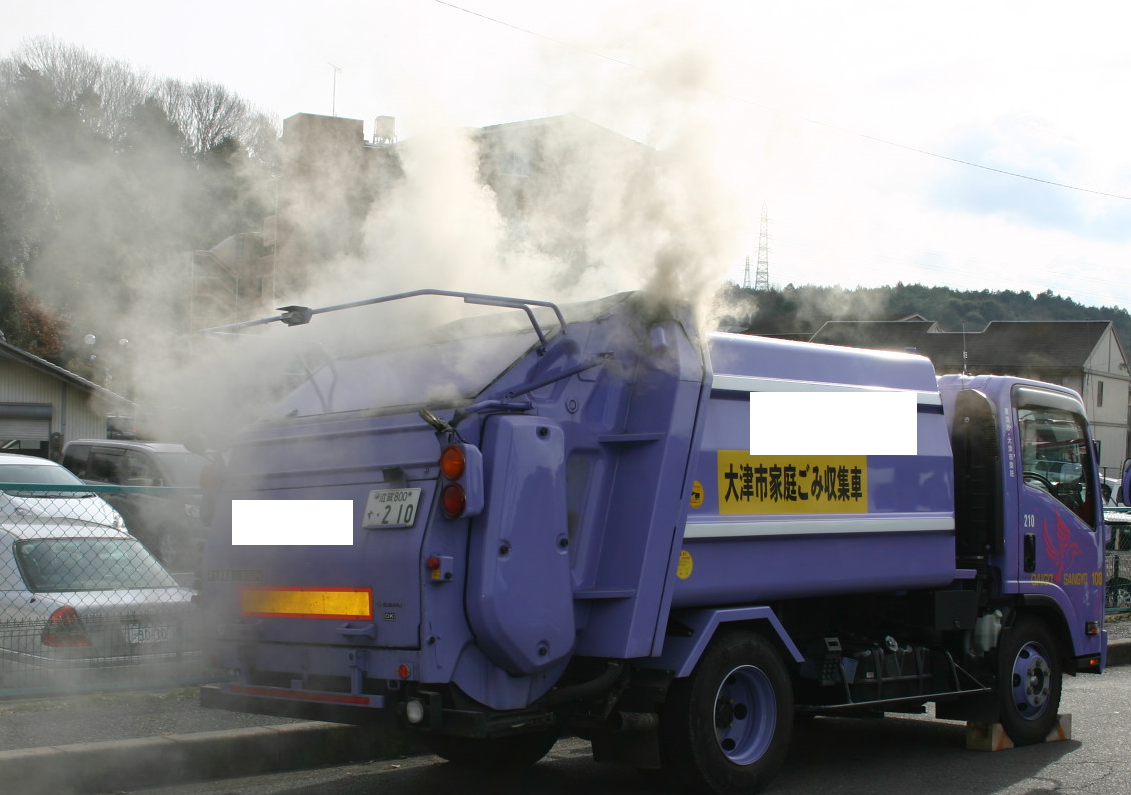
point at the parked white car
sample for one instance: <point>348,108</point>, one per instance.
<point>27,470</point>
<point>84,602</point>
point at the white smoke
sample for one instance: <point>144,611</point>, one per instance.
<point>625,191</point>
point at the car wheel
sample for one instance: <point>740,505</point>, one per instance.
<point>1119,594</point>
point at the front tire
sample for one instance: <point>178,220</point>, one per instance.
<point>1030,671</point>
<point>725,729</point>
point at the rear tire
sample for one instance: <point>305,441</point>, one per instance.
<point>726,728</point>
<point>1030,671</point>
<point>514,751</point>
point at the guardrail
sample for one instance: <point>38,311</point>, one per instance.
<point>84,603</point>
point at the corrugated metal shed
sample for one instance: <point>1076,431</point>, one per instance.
<point>39,399</point>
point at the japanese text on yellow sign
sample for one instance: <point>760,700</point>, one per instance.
<point>754,484</point>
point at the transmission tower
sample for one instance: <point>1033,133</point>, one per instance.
<point>762,279</point>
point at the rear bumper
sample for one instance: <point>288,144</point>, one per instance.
<point>359,710</point>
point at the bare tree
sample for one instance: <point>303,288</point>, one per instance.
<point>208,114</point>
<point>105,90</point>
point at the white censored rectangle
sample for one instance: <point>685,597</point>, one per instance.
<point>292,523</point>
<point>833,423</point>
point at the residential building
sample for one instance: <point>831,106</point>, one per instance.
<point>542,173</point>
<point>1083,355</point>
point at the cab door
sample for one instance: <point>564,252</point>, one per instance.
<point>1059,508</point>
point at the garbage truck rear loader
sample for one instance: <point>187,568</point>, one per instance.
<point>508,530</point>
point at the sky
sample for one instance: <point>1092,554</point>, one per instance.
<point>970,145</point>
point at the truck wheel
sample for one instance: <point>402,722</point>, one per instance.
<point>1029,677</point>
<point>725,729</point>
<point>514,751</point>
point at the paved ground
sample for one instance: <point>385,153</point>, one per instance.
<point>33,723</point>
<point>106,743</point>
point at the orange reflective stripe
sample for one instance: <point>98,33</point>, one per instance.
<point>300,602</point>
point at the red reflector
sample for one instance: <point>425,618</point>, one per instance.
<point>403,671</point>
<point>453,500</point>
<point>452,462</point>
<point>64,629</point>
<point>433,562</point>
<point>300,695</point>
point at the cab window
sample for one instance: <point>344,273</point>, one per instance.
<point>1056,457</point>
<point>106,466</point>
<point>139,472</point>
<point>75,459</point>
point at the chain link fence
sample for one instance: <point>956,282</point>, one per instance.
<point>91,600</point>
<point>84,603</point>
<point>1117,560</point>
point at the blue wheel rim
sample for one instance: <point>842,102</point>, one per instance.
<point>1032,681</point>
<point>745,715</point>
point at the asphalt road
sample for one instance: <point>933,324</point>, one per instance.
<point>832,757</point>
<point>40,722</point>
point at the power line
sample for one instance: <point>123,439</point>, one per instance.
<point>816,122</point>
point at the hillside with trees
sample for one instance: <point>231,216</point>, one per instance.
<point>108,178</point>
<point>802,310</point>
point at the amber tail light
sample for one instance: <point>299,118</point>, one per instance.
<point>461,495</point>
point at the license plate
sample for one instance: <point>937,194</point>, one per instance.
<point>147,634</point>
<point>391,508</point>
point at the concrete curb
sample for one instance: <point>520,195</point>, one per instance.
<point>1119,652</point>
<point>176,758</point>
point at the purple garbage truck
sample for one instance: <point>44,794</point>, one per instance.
<point>543,519</point>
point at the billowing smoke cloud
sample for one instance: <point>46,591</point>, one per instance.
<point>627,195</point>
<point>623,192</point>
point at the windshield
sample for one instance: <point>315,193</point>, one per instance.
<point>37,473</point>
<point>89,564</point>
<point>45,474</point>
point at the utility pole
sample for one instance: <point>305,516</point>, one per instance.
<point>334,95</point>
<point>762,279</point>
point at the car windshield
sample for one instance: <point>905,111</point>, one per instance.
<point>43,474</point>
<point>183,469</point>
<point>37,473</point>
<point>89,564</point>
